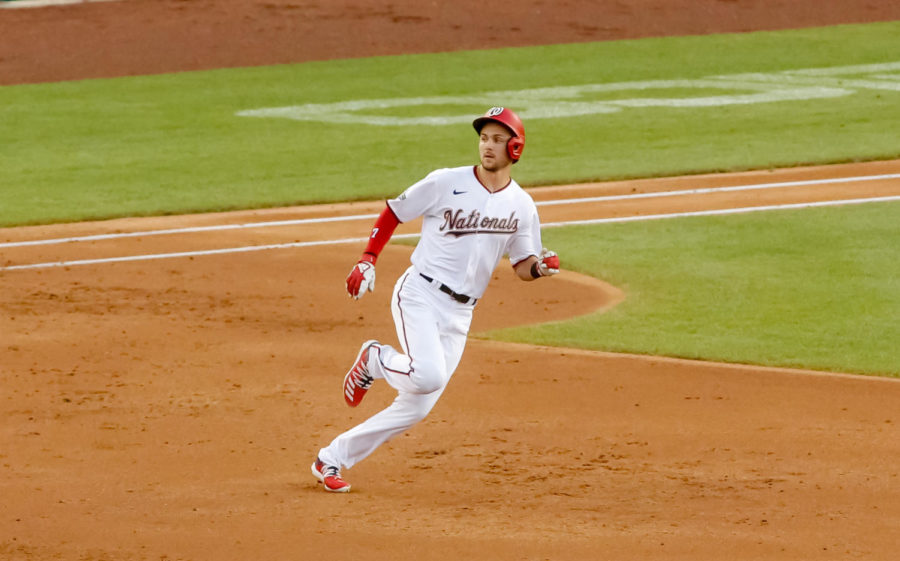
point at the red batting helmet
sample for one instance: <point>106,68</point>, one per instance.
<point>510,120</point>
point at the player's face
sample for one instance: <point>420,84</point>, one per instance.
<point>492,147</point>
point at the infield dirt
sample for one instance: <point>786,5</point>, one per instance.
<point>169,409</point>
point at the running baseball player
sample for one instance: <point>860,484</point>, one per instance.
<point>473,215</point>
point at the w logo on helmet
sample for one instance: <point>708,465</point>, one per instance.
<point>509,119</point>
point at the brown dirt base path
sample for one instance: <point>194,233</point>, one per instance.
<point>169,409</point>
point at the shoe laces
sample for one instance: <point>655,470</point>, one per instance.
<point>331,471</point>
<point>361,376</point>
<point>364,380</point>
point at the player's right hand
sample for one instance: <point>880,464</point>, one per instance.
<point>361,278</point>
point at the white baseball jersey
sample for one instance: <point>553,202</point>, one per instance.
<point>466,229</point>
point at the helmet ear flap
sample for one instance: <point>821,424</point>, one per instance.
<point>514,148</point>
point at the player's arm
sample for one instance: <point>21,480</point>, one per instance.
<point>362,276</point>
<point>534,267</point>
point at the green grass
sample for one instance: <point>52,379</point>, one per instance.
<point>817,288</point>
<point>172,143</point>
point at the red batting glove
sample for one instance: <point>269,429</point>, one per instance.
<point>362,277</point>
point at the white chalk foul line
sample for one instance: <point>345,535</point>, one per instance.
<point>43,3</point>
<point>302,221</point>
<point>190,230</point>
<point>243,249</point>
<point>251,248</point>
<point>722,211</point>
<point>708,190</point>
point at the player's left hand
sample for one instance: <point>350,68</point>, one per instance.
<point>548,263</point>
<point>361,279</point>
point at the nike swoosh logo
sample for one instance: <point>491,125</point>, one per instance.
<point>455,192</point>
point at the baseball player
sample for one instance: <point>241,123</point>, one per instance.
<point>473,215</point>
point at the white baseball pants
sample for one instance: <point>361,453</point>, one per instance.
<point>432,328</point>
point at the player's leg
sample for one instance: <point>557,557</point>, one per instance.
<point>454,334</point>
<point>357,443</point>
<point>406,410</point>
<point>419,318</point>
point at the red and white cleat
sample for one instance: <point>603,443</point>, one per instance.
<point>358,381</point>
<point>330,477</point>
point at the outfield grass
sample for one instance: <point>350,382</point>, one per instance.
<point>815,288</point>
<point>172,143</point>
